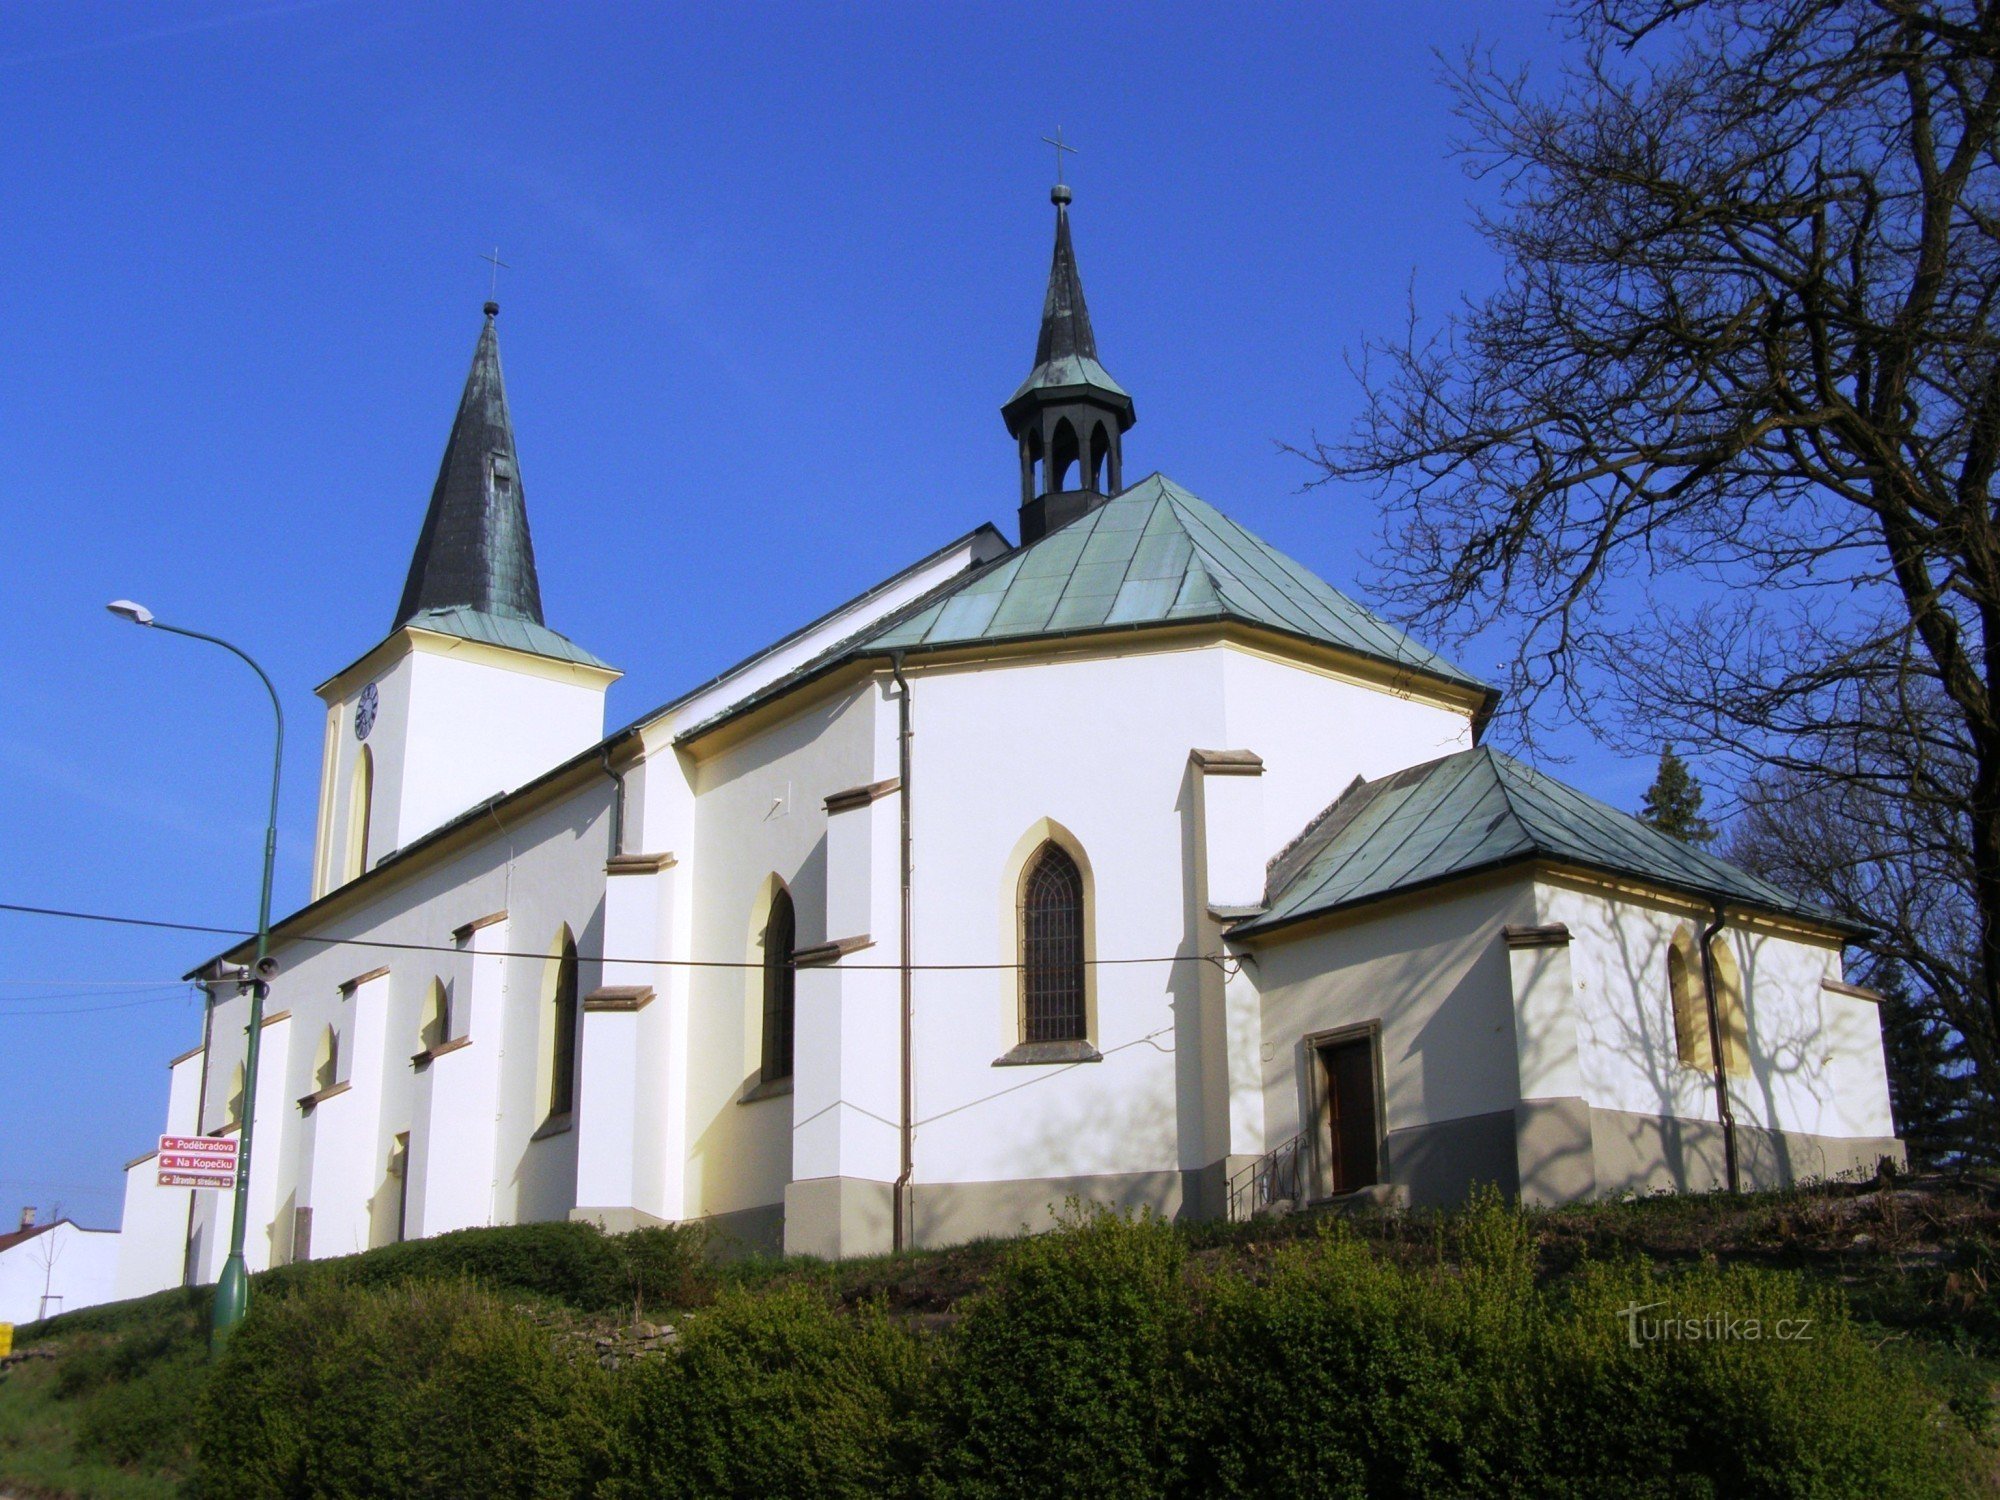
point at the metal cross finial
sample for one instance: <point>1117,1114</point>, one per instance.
<point>1056,141</point>
<point>498,265</point>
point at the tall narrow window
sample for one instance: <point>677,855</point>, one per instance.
<point>1691,1040</point>
<point>326,1064</point>
<point>1693,1043</point>
<point>562,1053</point>
<point>360,804</point>
<point>1052,999</point>
<point>399,1174</point>
<point>1729,1008</point>
<point>780,987</point>
<point>434,1030</point>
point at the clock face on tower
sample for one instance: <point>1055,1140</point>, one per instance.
<point>364,712</point>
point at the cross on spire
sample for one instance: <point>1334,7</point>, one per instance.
<point>499,265</point>
<point>1061,146</point>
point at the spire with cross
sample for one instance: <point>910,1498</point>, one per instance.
<point>493,291</point>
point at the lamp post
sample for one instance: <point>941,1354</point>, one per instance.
<point>232,1291</point>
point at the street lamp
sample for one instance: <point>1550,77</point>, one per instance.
<point>232,1291</point>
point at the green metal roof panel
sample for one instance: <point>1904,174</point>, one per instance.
<point>1072,369</point>
<point>1152,555</point>
<point>1473,811</point>
<point>503,630</point>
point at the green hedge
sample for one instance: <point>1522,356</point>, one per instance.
<point>575,1264</point>
<point>415,1391</point>
<point>1099,1361</point>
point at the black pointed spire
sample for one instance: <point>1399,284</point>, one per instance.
<point>1065,320</point>
<point>1069,416</point>
<point>474,551</point>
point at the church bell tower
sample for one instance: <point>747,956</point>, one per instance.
<point>470,694</point>
<point>1069,416</point>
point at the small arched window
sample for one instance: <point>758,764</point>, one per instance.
<point>1692,1041</point>
<point>1100,458</point>
<point>326,1062</point>
<point>1064,455</point>
<point>360,805</point>
<point>1729,1008</point>
<point>562,1050</point>
<point>1052,917</point>
<point>780,987</point>
<point>232,1104</point>
<point>434,1029</point>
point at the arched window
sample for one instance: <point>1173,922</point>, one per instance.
<point>1052,918</point>
<point>360,804</point>
<point>326,1061</point>
<point>1100,457</point>
<point>1692,1042</point>
<point>562,1050</point>
<point>780,987</point>
<point>1064,453</point>
<point>232,1103</point>
<point>434,1029</point>
<point>1729,1009</point>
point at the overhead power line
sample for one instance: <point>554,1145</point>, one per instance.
<point>1221,959</point>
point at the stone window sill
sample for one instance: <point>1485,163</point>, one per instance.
<point>423,1059</point>
<point>313,1100</point>
<point>766,1088</point>
<point>1038,1054</point>
<point>554,1125</point>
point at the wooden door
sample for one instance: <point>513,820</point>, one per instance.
<point>1350,1108</point>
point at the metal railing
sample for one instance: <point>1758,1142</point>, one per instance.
<point>1276,1177</point>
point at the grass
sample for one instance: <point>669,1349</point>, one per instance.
<point>1918,1262</point>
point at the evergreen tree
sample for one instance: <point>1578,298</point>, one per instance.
<point>1673,802</point>
<point>1930,1087</point>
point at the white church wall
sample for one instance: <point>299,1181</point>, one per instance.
<point>544,869</point>
<point>1098,746</point>
<point>1814,1069</point>
<point>483,722</point>
<point>152,1232</point>
<point>340,837</point>
<point>455,722</point>
<point>1433,972</point>
<point>759,813</point>
<point>1317,731</point>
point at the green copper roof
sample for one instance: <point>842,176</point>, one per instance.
<point>1474,811</point>
<point>1153,555</point>
<point>1072,369</point>
<point>503,630</point>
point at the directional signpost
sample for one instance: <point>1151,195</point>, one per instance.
<point>198,1161</point>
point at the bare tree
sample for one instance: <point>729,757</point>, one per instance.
<point>45,1249</point>
<point>1721,449</point>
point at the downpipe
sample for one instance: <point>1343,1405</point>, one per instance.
<point>901,1232</point>
<point>1724,1111</point>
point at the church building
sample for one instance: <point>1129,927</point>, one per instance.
<point>1129,861</point>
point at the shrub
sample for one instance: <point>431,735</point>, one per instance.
<point>147,1419</point>
<point>772,1394</point>
<point>576,1264</point>
<point>1065,1377</point>
<point>664,1266</point>
<point>422,1390</point>
<point>1341,1374</point>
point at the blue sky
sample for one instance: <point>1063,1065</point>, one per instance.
<point>773,270</point>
